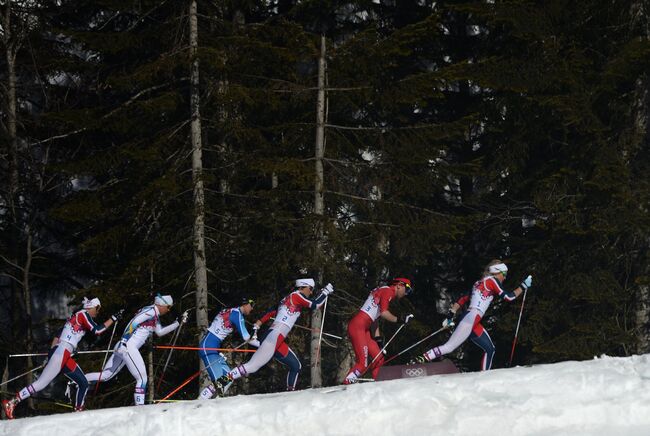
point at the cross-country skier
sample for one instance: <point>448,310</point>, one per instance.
<point>223,325</point>
<point>363,328</point>
<point>284,354</point>
<point>483,292</point>
<point>288,312</point>
<point>60,359</point>
<point>127,350</point>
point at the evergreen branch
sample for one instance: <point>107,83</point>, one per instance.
<point>211,240</point>
<point>371,223</point>
<point>347,297</point>
<point>145,15</point>
<point>65,135</point>
<point>311,88</point>
<point>286,82</point>
<point>103,117</point>
<point>362,162</point>
<point>180,126</point>
<point>20,282</point>
<point>382,128</point>
<point>347,88</point>
<point>302,88</point>
<point>230,235</point>
<point>134,98</point>
<point>389,202</point>
<point>111,18</point>
<point>13,264</point>
<point>229,194</point>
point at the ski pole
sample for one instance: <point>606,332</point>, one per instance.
<point>101,368</point>
<point>320,335</point>
<point>514,341</point>
<point>189,379</point>
<point>23,374</point>
<point>416,344</point>
<point>229,350</point>
<point>381,352</point>
<point>196,374</point>
<point>28,355</point>
<point>169,356</point>
<point>45,354</point>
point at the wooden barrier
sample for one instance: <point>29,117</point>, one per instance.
<point>417,370</point>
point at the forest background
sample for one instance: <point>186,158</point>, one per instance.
<point>220,149</point>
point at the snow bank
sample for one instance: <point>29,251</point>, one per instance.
<point>603,396</point>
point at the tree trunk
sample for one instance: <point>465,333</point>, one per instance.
<point>27,301</point>
<point>319,211</point>
<point>642,326</point>
<point>10,58</point>
<point>152,391</point>
<point>641,116</point>
<point>11,42</point>
<point>200,267</point>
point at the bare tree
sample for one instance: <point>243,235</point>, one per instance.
<point>641,115</point>
<point>319,210</point>
<point>15,26</point>
<point>200,264</point>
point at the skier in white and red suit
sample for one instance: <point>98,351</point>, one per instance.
<point>288,313</point>
<point>483,292</point>
<point>363,328</point>
<point>61,356</point>
<point>127,351</point>
<point>283,354</point>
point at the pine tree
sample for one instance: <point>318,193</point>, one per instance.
<point>562,201</point>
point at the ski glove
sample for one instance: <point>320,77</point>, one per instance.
<point>404,319</point>
<point>527,283</point>
<point>380,342</point>
<point>255,330</point>
<point>117,315</point>
<point>254,342</point>
<point>185,316</point>
<point>448,323</point>
<point>328,289</point>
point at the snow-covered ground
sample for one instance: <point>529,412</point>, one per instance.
<point>604,396</point>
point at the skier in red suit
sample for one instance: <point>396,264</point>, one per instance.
<point>363,328</point>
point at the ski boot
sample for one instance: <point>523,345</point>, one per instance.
<point>9,406</point>
<point>430,355</point>
<point>223,383</point>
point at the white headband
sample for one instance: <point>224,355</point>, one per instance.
<point>498,268</point>
<point>305,282</point>
<point>164,300</point>
<point>88,304</point>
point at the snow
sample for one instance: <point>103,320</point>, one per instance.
<point>602,396</point>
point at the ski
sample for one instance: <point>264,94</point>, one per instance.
<point>344,387</point>
<point>333,389</point>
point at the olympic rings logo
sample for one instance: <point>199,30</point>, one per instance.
<point>415,372</point>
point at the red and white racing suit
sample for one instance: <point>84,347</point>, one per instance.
<point>75,328</point>
<point>483,292</point>
<point>288,313</point>
<point>359,331</point>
